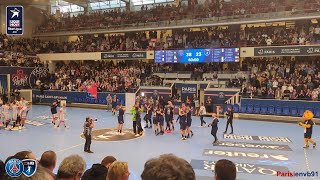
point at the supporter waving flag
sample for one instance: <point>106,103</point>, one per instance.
<point>92,90</point>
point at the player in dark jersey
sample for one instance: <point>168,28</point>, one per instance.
<point>155,121</point>
<point>54,112</point>
<point>214,127</point>
<point>120,118</point>
<point>114,105</point>
<point>189,121</point>
<point>183,121</point>
<point>169,116</point>
<point>148,115</point>
<point>160,115</point>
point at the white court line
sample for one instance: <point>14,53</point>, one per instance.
<point>70,148</point>
<point>307,162</point>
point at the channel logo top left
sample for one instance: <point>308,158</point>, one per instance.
<point>14,24</point>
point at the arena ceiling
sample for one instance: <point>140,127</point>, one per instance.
<point>25,2</point>
<point>84,3</point>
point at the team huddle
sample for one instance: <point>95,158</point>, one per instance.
<point>15,113</point>
<point>159,117</point>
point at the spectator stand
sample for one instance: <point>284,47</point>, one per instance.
<point>76,99</point>
<point>202,14</point>
<point>277,110</point>
<point>155,92</point>
<point>214,97</point>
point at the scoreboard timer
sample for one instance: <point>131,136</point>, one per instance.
<point>198,55</point>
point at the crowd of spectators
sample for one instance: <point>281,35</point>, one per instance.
<point>283,79</point>
<point>107,76</point>
<point>157,40</point>
<point>121,77</point>
<point>168,13</point>
<point>280,35</point>
<point>21,52</point>
<point>166,166</point>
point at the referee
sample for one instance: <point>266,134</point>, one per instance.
<point>87,131</point>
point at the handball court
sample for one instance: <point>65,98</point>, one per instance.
<point>259,149</point>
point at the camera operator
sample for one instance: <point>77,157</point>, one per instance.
<point>88,125</point>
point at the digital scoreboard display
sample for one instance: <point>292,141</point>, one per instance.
<point>197,55</point>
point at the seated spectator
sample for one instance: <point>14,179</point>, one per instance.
<point>99,171</point>
<point>25,155</point>
<point>48,160</point>
<point>167,166</point>
<point>2,170</point>
<point>118,171</point>
<point>225,170</point>
<point>71,168</point>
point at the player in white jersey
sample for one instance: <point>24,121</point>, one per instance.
<point>23,116</point>
<point>5,114</point>
<point>24,107</point>
<point>62,116</point>
<point>15,111</point>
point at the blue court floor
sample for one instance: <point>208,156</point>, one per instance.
<point>258,156</point>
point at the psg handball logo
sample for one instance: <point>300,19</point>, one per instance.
<point>29,167</point>
<point>207,52</point>
<point>14,167</point>
<point>221,95</point>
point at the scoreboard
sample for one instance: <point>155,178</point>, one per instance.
<point>198,55</point>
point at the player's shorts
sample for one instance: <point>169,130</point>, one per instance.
<point>114,105</point>
<point>6,117</point>
<point>161,121</point>
<point>14,117</point>
<point>155,120</point>
<point>120,120</point>
<point>183,126</point>
<point>307,135</point>
<point>169,118</point>
<point>189,122</point>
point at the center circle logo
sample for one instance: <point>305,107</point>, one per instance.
<point>109,134</point>
<point>14,167</point>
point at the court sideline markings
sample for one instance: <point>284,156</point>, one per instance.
<point>307,162</point>
<point>62,150</point>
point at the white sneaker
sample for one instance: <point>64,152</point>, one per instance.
<point>7,128</point>
<point>15,129</point>
<point>20,128</point>
<point>137,135</point>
